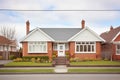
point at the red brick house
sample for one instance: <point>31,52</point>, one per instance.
<point>7,45</point>
<point>112,45</point>
<point>78,42</point>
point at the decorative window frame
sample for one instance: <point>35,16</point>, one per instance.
<point>86,43</point>
<point>37,44</point>
<point>117,50</point>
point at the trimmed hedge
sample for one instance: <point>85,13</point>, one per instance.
<point>42,58</point>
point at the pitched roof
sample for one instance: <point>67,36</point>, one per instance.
<point>4,40</point>
<point>61,34</point>
<point>109,35</point>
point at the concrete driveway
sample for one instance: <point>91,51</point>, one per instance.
<point>2,62</point>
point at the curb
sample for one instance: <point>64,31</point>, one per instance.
<point>57,73</point>
<point>94,66</point>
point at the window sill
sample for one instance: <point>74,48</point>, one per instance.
<point>38,52</point>
<point>85,52</point>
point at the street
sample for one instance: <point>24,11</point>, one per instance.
<point>60,77</point>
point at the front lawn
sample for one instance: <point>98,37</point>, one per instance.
<point>94,70</point>
<point>27,64</point>
<point>96,63</point>
<point>26,70</point>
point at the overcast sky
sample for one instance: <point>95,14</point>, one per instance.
<point>98,21</point>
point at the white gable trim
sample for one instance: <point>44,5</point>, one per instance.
<point>115,37</point>
<point>86,28</point>
<point>51,39</point>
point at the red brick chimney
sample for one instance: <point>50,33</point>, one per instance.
<point>83,24</point>
<point>27,27</point>
<point>111,28</point>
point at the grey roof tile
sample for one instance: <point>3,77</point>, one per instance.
<point>61,34</point>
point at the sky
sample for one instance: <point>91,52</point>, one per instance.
<point>98,21</point>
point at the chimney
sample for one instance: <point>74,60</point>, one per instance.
<point>83,24</point>
<point>111,28</point>
<point>27,27</point>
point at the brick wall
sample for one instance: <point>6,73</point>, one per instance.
<point>25,51</point>
<point>85,55</point>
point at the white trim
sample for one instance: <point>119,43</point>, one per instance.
<point>86,28</point>
<point>37,44</point>
<point>51,39</point>
<point>86,52</point>
<point>115,37</point>
<point>63,50</point>
<point>117,49</point>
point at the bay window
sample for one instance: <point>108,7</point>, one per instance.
<point>85,47</point>
<point>118,49</point>
<point>37,47</point>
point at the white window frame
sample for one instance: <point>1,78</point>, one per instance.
<point>1,48</point>
<point>117,50</point>
<point>36,45</point>
<point>87,47</point>
<point>56,44</point>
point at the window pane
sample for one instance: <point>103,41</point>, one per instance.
<point>55,46</point>
<point>89,50</point>
<point>77,48</point>
<point>85,48</point>
<point>81,48</point>
<point>92,48</point>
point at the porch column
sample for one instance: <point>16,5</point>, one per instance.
<point>50,50</point>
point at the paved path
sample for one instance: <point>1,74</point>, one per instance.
<point>61,69</point>
<point>4,61</point>
<point>60,77</point>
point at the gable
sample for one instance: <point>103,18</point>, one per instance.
<point>86,35</point>
<point>118,38</point>
<point>37,35</point>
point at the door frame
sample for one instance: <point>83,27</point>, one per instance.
<point>63,50</point>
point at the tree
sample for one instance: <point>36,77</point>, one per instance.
<point>8,32</point>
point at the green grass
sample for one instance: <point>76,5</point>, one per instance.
<point>94,70</point>
<point>27,64</point>
<point>26,71</point>
<point>96,63</point>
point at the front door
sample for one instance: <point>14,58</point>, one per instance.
<point>61,50</point>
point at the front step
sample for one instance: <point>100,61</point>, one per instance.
<point>60,61</point>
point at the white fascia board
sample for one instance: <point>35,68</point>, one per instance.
<point>115,37</point>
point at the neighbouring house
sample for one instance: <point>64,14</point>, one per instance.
<point>111,48</point>
<point>77,42</point>
<point>7,45</point>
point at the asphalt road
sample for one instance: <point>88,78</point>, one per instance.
<point>60,77</point>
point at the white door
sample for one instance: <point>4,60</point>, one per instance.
<point>61,49</point>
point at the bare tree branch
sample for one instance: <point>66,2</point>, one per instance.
<point>8,32</point>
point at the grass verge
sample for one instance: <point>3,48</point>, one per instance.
<point>93,70</point>
<point>96,63</point>
<point>26,71</point>
<point>27,64</point>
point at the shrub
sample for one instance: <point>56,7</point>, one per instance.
<point>11,57</point>
<point>18,60</point>
<point>42,58</point>
<point>33,59</point>
<point>72,60</point>
<point>38,60</point>
<point>76,59</point>
<point>1,57</point>
<point>67,55</point>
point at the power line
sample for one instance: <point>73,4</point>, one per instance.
<point>54,10</point>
